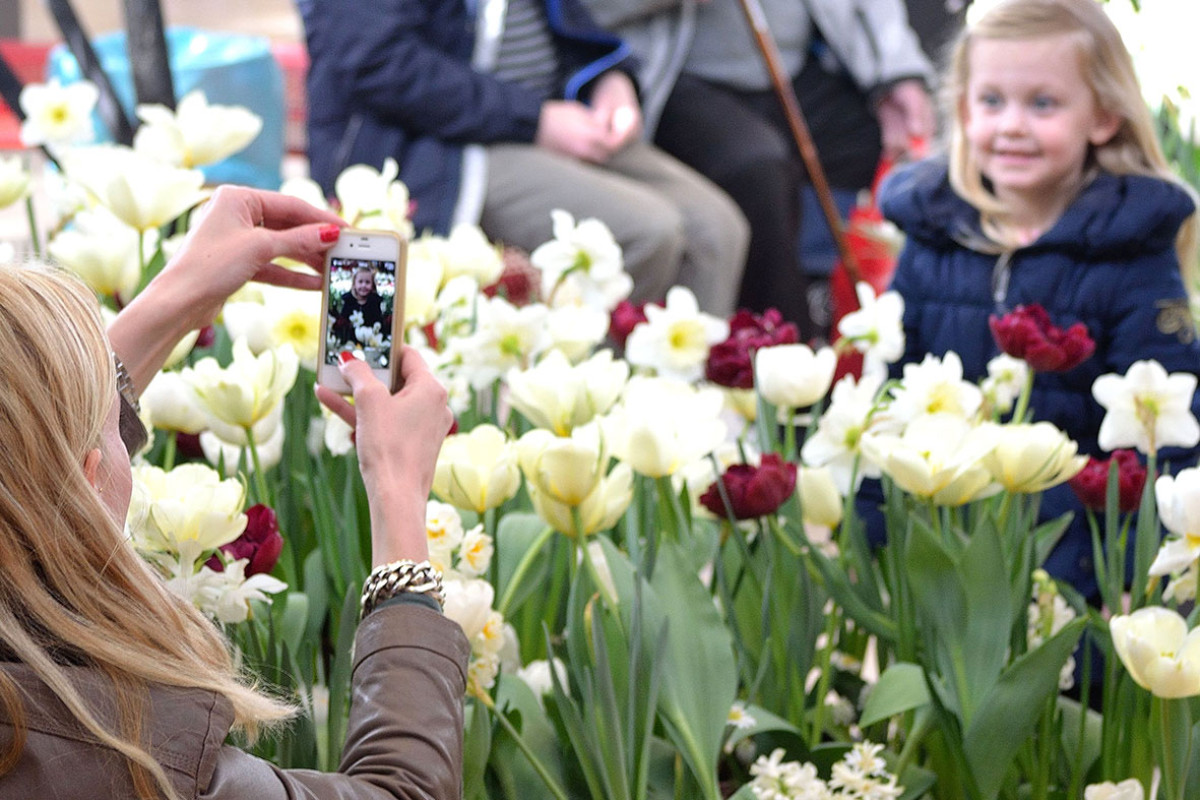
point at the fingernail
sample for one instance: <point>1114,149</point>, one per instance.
<point>330,233</point>
<point>345,356</point>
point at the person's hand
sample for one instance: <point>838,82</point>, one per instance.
<point>570,128</point>
<point>906,120</point>
<point>236,236</point>
<point>615,106</point>
<point>398,437</point>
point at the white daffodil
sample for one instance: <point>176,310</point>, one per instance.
<point>372,198</point>
<point>876,328</point>
<point>1147,408</point>
<point>235,591</point>
<point>1006,378</point>
<point>57,114</point>
<point>475,553</point>
<point>792,375</point>
<point>661,425</point>
<point>582,264</point>
<point>144,193</point>
<point>443,533</point>
<point>14,180</point>
<point>246,391</point>
<point>1159,652</point>
<point>167,403</point>
<point>189,510</point>
<point>1178,499</point>
<point>469,603</point>
<point>195,133</point>
<point>505,337</point>
<point>1030,458</point>
<point>675,339</point>
<point>1128,789</point>
<point>103,250</point>
<point>557,396</point>
<point>566,468</point>
<point>935,386</point>
<point>477,470</point>
<point>836,442</point>
<point>274,317</point>
<point>576,331</point>
<point>939,457</point>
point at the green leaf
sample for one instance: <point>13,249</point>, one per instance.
<point>900,688</point>
<point>477,743</point>
<point>989,622</point>
<point>509,765</point>
<point>1008,713</point>
<point>700,677</point>
<point>293,621</point>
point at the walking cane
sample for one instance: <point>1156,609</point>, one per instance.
<point>808,151</point>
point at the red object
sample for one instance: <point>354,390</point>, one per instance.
<point>624,318</point>
<point>28,63</point>
<point>731,362</point>
<point>519,282</point>
<point>876,263</point>
<point>753,491</point>
<point>1091,484</point>
<point>260,543</point>
<point>1026,332</point>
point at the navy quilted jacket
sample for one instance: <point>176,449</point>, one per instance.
<point>1109,262</point>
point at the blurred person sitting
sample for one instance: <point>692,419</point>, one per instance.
<point>500,112</point>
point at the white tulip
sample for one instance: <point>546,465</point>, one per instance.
<point>167,403</point>
<point>1178,499</point>
<point>195,133</point>
<point>189,510</point>
<point>246,391</point>
<point>14,180</point>
<point>792,375</point>
<point>477,470</point>
<point>144,193</point>
<point>103,250</point>
<point>939,457</point>
<point>661,425</point>
<point>557,396</point>
<point>1159,652</point>
<point>1031,458</point>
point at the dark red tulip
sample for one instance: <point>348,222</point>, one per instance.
<point>753,491</point>
<point>260,542</point>
<point>624,318</point>
<point>731,362</point>
<point>519,282</point>
<point>1091,483</point>
<point>1027,333</point>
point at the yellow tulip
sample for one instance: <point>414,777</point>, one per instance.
<point>1031,458</point>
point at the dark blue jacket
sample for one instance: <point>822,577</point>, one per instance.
<point>394,79</point>
<point>1109,262</point>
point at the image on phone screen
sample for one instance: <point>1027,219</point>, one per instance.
<point>362,298</point>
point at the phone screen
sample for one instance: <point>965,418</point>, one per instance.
<point>362,301</point>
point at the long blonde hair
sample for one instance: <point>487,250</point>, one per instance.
<point>71,586</point>
<point>1108,69</point>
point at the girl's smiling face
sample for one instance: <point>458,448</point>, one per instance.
<point>364,284</point>
<point>1029,117</point>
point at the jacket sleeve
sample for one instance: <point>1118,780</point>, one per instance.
<point>873,41</point>
<point>394,59</point>
<point>405,731</point>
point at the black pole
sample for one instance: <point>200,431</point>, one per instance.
<point>108,106</point>
<point>146,44</point>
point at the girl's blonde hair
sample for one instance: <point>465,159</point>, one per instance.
<point>72,589</point>
<point>1108,69</point>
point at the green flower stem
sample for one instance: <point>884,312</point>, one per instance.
<point>832,620</point>
<point>1175,740</point>
<point>31,216</point>
<point>676,523</point>
<point>1022,407</point>
<point>789,436</point>
<point>168,459</point>
<point>523,566</point>
<point>141,254</point>
<point>534,761</point>
<point>260,480</point>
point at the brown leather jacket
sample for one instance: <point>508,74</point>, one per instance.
<point>403,742</point>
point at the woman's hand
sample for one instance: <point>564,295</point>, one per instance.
<point>398,437</point>
<point>236,236</point>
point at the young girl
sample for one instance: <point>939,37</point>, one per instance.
<point>1055,192</point>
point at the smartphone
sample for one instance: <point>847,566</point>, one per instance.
<point>362,305</point>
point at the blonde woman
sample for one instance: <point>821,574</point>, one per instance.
<point>110,686</point>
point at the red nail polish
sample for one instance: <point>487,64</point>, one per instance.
<point>345,356</point>
<point>329,233</point>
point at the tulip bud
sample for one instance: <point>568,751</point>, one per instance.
<point>1091,484</point>
<point>1026,333</point>
<point>753,491</point>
